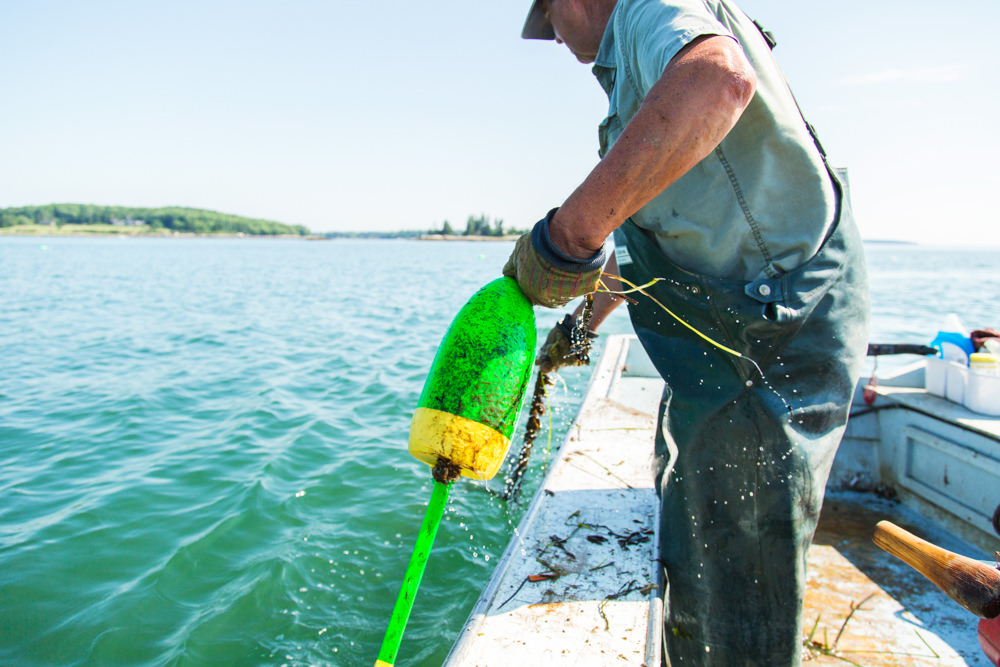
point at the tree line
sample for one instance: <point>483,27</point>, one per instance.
<point>477,226</point>
<point>474,226</point>
<point>174,218</point>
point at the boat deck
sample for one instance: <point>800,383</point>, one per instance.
<point>898,617</point>
<point>578,583</point>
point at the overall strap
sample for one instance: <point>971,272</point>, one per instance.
<point>771,43</point>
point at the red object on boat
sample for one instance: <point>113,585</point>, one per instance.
<point>989,639</point>
<point>870,390</point>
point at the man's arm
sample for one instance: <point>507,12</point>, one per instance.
<point>686,114</point>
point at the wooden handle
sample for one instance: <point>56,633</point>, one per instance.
<point>970,583</point>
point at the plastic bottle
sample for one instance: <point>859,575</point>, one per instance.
<point>953,341</point>
<point>472,397</point>
<point>985,363</point>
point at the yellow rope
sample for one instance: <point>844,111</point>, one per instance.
<point>641,289</point>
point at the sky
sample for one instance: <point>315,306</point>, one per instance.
<point>392,115</point>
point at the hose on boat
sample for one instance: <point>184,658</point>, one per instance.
<point>879,349</point>
<point>876,350</point>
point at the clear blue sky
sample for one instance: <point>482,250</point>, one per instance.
<point>399,115</point>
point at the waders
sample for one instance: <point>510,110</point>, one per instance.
<point>742,459</point>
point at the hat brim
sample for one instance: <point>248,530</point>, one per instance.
<point>537,25</point>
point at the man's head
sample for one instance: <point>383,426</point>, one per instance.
<point>579,24</point>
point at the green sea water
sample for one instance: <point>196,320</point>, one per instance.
<point>203,450</point>
<point>203,441</point>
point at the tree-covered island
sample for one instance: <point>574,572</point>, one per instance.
<point>94,219</point>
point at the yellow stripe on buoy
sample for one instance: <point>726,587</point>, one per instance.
<point>379,663</point>
<point>476,448</point>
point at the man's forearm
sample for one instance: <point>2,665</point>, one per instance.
<point>685,115</point>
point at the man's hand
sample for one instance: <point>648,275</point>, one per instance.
<point>555,352</point>
<point>548,276</point>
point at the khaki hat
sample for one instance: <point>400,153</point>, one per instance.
<point>537,25</point>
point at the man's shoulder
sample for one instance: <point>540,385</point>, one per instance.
<point>654,23</point>
<point>663,6</point>
<point>681,14</point>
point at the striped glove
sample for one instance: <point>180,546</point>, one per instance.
<point>548,276</point>
<point>557,350</point>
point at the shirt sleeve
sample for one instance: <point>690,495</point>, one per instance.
<point>651,32</point>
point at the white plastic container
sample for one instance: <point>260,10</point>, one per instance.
<point>982,393</point>
<point>946,378</point>
<point>934,375</point>
<point>954,384</point>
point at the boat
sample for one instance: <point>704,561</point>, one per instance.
<point>578,584</point>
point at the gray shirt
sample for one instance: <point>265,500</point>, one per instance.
<point>762,202</point>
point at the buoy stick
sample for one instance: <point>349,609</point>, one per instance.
<point>466,414</point>
<point>414,573</point>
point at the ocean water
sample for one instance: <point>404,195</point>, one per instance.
<point>203,441</point>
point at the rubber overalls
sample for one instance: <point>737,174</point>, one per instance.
<point>743,458</point>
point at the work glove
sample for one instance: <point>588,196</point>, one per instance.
<point>556,351</point>
<point>548,276</point>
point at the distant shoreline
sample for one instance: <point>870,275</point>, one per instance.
<point>471,237</point>
<point>68,231</point>
<point>166,234</point>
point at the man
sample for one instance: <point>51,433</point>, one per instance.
<point>712,182</point>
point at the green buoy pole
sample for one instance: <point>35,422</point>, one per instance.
<point>414,573</point>
<point>466,415</point>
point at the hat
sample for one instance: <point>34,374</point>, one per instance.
<point>537,25</point>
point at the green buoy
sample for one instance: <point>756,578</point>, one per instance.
<point>466,415</point>
<point>471,400</point>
